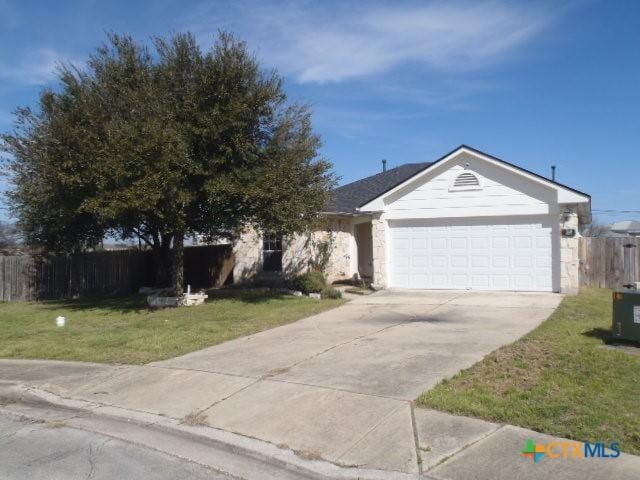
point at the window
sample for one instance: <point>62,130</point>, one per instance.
<point>272,252</point>
<point>466,180</point>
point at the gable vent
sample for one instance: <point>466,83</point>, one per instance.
<point>466,180</point>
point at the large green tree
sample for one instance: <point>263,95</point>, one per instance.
<point>162,143</point>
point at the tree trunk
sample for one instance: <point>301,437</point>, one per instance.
<point>163,260</point>
<point>177,265</point>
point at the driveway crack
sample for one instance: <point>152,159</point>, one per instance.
<point>416,439</point>
<point>365,434</point>
<point>227,397</point>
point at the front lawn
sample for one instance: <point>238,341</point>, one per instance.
<point>123,330</point>
<point>560,379</point>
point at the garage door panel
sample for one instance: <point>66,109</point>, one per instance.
<point>523,261</point>
<point>421,279</point>
<point>543,261</point>
<point>401,244</point>
<point>480,261</point>
<point>499,261</point>
<point>522,281</point>
<point>459,243</point>
<point>437,281</point>
<point>481,243</point>
<point>438,244</point>
<point>459,280</point>
<point>544,281</point>
<point>480,281</point>
<point>458,261</point>
<point>543,242</point>
<point>479,255</point>
<point>500,281</point>
<point>419,261</point>
<point>419,243</point>
<point>438,261</point>
<point>500,242</point>
<point>522,242</point>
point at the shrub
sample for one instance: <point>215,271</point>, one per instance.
<point>310,282</point>
<point>330,292</point>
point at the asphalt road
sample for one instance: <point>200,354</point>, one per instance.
<point>52,451</point>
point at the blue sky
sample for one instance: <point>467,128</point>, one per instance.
<point>538,84</point>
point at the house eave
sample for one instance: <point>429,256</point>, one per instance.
<point>585,198</point>
<point>344,214</point>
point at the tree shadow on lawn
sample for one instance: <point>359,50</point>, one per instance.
<point>247,295</point>
<point>138,303</point>
<point>125,304</point>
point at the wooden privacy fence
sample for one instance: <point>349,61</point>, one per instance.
<point>602,260</point>
<point>208,266</point>
<point>120,272</point>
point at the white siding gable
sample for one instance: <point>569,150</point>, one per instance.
<point>500,192</point>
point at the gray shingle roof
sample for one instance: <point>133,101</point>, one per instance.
<point>347,198</point>
<point>631,227</point>
<point>353,195</point>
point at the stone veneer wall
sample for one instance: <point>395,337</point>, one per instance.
<point>569,255</point>
<point>247,251</point>
<point>379,236</point>
<point>298,250</point>
<point>341,263</point>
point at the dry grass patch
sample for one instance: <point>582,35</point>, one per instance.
<point>196,419</point>
<point>54,424</point>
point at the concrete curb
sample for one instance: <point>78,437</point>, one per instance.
<point>224,451</point>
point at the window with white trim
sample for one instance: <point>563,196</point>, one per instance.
<point>272,252</point>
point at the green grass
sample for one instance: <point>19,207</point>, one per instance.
<point>123,330</point>
<point>560,379</point>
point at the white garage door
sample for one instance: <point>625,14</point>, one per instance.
<point>472,254</point>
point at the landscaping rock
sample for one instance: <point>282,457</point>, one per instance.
<point>184,300</point>
<point>315,295</point>
<point>288,291</point>
<point>155,301</point>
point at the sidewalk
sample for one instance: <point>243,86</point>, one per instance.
<point>368,437</point>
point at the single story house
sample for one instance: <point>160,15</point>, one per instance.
<point>466,221</point>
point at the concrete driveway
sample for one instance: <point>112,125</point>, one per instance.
<point>393,344</point>
<point>338,386</point>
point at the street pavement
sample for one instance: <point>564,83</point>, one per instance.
<point>52,451</point>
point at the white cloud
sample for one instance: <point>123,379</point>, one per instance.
<point>315,45</point>
<point>36,67</point>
